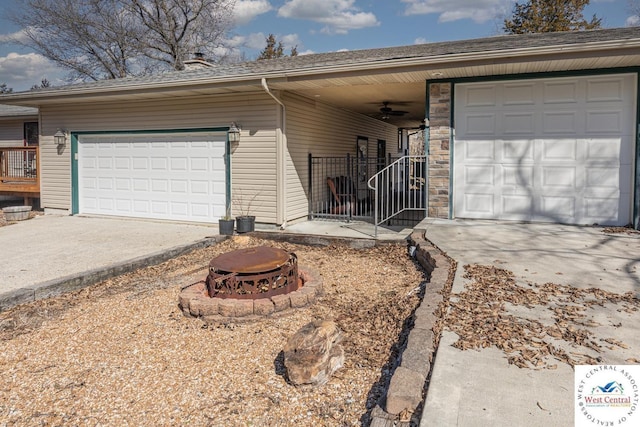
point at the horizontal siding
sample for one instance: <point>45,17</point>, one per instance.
<point>322,130</point>
<point>253,159</point>
<point>12,133</point>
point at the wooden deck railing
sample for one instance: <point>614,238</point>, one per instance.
<point>19,170</point>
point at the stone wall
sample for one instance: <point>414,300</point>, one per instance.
<point>439,153</point>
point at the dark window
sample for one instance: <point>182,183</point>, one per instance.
<point>31,133</point>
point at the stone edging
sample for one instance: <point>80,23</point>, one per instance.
<point>195,302</point>
<point>406,388</point>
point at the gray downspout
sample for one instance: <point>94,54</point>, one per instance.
<point>281,164</point>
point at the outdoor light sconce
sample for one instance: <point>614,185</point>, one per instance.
<point>60,137</point>
<point>234,133</point>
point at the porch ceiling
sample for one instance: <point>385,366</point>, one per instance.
<point>405,89</point>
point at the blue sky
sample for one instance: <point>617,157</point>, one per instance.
<point>316,26</point>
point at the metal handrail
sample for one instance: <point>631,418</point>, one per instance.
<point>399,187</point>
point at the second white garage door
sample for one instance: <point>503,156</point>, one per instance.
<point>556,150</point>
<point>174,176</point>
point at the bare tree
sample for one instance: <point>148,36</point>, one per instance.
<point>170,31</point>
<point>633,7</point>
<point>97,39</point>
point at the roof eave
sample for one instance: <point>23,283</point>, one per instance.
<point>38,98</point>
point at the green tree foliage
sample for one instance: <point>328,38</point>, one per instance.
<point>545,16</point>
<point>275,49</point>
<point>5,89</point>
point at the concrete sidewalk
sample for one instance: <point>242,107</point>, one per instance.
<point>480,388</point>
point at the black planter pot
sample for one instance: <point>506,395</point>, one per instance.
<point>245,224</point>
<point>226,226</point>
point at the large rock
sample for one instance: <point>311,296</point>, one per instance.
<point>314,353</point>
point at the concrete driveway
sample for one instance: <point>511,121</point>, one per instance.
<point>479,387</point>
<point>51,254</point>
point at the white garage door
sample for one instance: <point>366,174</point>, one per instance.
<point>165,176</point>
<point>553,150</point>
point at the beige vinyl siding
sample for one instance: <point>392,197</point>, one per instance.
<point>253,159</point>
<point>322,130</point>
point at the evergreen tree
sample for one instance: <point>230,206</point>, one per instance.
<point>545,16</point>
<point>43,84</point>
<point>5,89</point>
<point>275,49</point>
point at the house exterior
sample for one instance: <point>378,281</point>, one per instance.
<point>529,127</point>
<point>18,152</point>
<point>18,126</point>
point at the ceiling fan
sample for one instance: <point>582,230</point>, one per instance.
<point>387,111</point>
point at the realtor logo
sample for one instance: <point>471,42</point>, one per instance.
<point>607,395</point>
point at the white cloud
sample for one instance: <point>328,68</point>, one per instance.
<point>246,10</point>
<point>479,11</point>
<point>21,71</point>
<point>420,40</point>
<point>632,21</point>
<point>338,16</point>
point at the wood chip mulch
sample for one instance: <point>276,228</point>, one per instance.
<point>122,353</point>
<point>489,313</point>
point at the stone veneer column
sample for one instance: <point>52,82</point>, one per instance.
<point>439,154</point>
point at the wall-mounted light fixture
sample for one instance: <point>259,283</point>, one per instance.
<point>60,137</point>
<point>234,133</point>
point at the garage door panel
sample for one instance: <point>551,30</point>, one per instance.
<point>554,177</point>
<point>516,206</point>
<point>479,175</point>
<point>519,94</point>
<point>559,150</point>
<point>606,150</point>
<point>577,165</point>
<point>518,124</point>
<point>521,177</point>
<point>479,150</point>
<point>604,122</point>
<point>560,92</point>
<point>480,124</point>
<point>559,122</point>
<point>173,176</point>
<point>480,204</point>
<point>605,90</point>
<point>481,96</point>
<point>516,151</point>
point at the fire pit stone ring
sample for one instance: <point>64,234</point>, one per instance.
<point>247,284</point>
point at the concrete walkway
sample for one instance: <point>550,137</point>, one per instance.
<point>480,388</point>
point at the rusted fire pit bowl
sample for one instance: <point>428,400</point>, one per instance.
<point>238,289</point>
<point>253,273</point>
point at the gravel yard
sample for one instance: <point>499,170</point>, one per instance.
<point>122,353</point>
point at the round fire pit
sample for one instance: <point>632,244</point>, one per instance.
<point>250,283</point>
<point>253,273</point>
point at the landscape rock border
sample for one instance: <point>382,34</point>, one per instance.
<point>409,382</point>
